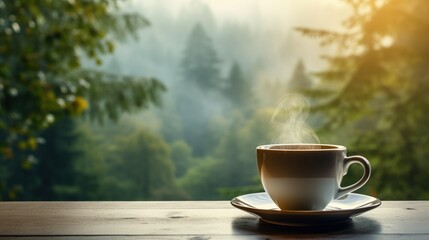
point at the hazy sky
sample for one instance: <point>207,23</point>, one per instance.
<point>270,11</point>
<point>270,22</point>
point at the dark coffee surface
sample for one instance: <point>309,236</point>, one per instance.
<point>302,147</point>
<point>297,164</point>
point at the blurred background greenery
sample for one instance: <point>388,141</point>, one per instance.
<point>155,100</point>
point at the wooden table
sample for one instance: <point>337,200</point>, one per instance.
<point>194,220</point>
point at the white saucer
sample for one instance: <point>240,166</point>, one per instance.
<point>338,211</point>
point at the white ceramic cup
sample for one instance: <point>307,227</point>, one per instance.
<point>306,176</point>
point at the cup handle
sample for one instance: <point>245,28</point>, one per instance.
<point>366,173</point>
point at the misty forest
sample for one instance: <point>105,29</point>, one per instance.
<point>106,100</point>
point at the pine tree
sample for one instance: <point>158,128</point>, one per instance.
<point>382,80</point>
<point>198,94</point>
<point>299,81</point>
<point>200,62</point>
<point>238,91</point>
<point>65,167</point>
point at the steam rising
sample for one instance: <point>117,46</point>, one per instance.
<point>289,120</point>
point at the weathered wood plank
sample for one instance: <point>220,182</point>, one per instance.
<point>193,220</point>
<point>116,205</point>
<point>223,237</point>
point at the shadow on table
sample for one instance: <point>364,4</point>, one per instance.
<point>359,225</point>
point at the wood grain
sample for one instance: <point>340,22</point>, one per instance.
<point>193,220</point>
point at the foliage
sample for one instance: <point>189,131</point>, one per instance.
<point>382,80</point>
<point>42,44</point>
<point>200,181</point>
<point>232,166</point>
<point>112,95</point>
<point>140,168</point>
<point>238,90</point>
<point>201,145</point>
<point>299,81</point>
<point>181,155</point>
<point>68,166</point>
<point>200,62</point>
<point>198,97</point>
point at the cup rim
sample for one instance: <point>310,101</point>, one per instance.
<point>333,147</point>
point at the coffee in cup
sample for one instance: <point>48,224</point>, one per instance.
<point>306,176</point>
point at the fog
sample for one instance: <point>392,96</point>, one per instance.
<point>105,107</point>
<point>258,34</point>
<point>226,66</point>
